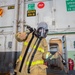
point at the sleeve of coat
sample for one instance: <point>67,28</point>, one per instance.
<point>46,53</point>
<point>20,36</point>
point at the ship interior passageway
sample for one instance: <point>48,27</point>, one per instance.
<point>22,15</point>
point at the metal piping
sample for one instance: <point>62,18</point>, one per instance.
<point>15,30</point>
<point>22,15</point>
<point>61,33</point>
<point>37,1</point>
<point>6,26</point>
<point>15,27</point>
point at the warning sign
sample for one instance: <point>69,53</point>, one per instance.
<point>41,5</point>
<point>31,13</point>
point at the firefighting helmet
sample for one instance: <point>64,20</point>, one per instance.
<point>42,29</point>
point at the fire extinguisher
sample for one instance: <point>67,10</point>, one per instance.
<point>71,64</point>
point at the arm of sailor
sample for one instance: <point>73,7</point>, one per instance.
<point>20,36</point>
<point>46,53</point>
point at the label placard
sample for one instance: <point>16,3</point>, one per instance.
<point>31,13</point>
<point>70,4</point>
<point>11,7</point>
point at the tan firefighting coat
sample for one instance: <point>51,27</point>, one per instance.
<point>37,67</point>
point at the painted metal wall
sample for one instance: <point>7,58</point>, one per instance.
<point>42,14</point>
<point>54,13</point>
<point>64,18</point>
<point>50,12</point>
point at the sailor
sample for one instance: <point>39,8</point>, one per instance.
<point>34,51</point>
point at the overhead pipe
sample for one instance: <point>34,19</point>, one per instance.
<point>7,5</point>
<point>36,1</point>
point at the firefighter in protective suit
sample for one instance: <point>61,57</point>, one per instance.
<point>31,59</point>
